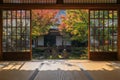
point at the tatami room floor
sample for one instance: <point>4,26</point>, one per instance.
<point>60,70</point>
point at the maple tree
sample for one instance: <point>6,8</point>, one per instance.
<point>42,20</point>
<point>75,23</point>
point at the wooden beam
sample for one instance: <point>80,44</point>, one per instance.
<point>1,35</point>
<point>118,34</point>
<point>89,57</point>
<point>30,34</point>
<point>59,6</point>
<point>118,1</point>
<point>60,2</point>
<point>1,1</point>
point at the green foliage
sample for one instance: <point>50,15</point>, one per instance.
<point>39,28</point>
<point>42,20</point>
<point>76,24</point>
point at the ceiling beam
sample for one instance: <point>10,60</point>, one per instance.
<point>118,1</point>
<point>59,1</point>
<point>1,1</point>
<point>59,6</point>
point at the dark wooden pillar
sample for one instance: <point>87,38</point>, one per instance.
<point>59,1</point>
<point>30,34</point>
<point>0,34</point>
<point>119,34</point>
<point>89,57</point>
<point>1,1</point>
<point>118,1</point>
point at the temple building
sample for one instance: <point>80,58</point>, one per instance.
<point>54,37</point>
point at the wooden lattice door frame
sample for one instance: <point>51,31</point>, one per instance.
<point>58,6</point>
<point>102,28</point>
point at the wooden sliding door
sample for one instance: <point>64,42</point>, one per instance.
<point>103,30</point>
<point>16,42</point>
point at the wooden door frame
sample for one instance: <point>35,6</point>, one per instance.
<point>118,56</point>
<point>59,6</point>
<point>56,6</point>
<point>110,55</point>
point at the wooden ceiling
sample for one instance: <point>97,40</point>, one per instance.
<point>62,1</point>
<point>59,4</point>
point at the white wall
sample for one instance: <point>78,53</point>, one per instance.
<point>58,40</point>
<point>67,43</point>
<point>41,41</point>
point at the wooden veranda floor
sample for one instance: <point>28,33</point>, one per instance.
<point>60,70</point>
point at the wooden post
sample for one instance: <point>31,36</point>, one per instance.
<point>118,34</point>
<point>0,34</point>
<point>118,1</point>
<point>1,1</point>
<point>59,1</point>
<point>30,34</point>
<point>89,37</point>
